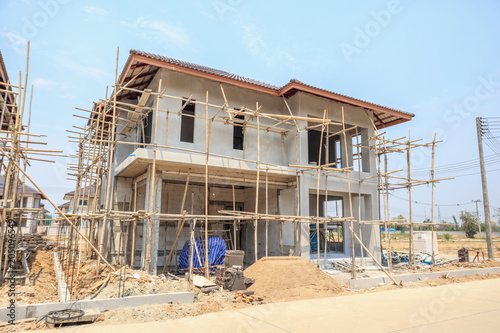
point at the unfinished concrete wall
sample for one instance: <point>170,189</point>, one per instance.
<point>294,151</point>
<point>221,136</point>
<point>313,106</point>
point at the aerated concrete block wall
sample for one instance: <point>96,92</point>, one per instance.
<point>295,152</point>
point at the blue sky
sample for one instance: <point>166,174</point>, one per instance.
<point>429,58</point>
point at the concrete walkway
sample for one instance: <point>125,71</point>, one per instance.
<point>465,307</point>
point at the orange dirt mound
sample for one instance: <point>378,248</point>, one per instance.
<point>280,279</point>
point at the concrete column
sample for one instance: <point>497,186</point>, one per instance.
<point>145,227</point>
<point>367,156</point>
<point>371,232</point>
<point>30,203</point>
<point>287,207</point>
<point>153,238</point>
<point>155,229</point>
<point>305,244</point>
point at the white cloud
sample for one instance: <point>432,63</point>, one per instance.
<point>258,47</point>
<point>81,69</point>
<point>92,10</point>
<point>159,31</point>
<point>43,83</point>
<point>15,41</point>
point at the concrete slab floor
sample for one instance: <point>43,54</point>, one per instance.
<point>465,307</point>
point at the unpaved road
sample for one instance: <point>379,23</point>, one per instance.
<point>465,307</point>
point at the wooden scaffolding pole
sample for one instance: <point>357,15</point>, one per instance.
<point>318,245</point>
<point>207,141</point>
<point>408,159</point>
<point>255,224</point>
<point>433,259</point>
<point>353,254</point>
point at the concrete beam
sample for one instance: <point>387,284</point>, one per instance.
<point>39,310</point>
<point>62,288</point>
<point>373,282</point>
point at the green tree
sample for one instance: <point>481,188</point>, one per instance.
<point>470,223</point>
<point>426,221</point>
<point>494,226</point>
<point>400,227</point>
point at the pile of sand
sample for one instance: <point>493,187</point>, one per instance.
<point>290,278</point>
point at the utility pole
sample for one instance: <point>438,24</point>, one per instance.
<point>456,223</point>
<point>486,203</point>
<point>477,214</point>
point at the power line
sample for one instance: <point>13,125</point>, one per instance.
<point>428,204</point>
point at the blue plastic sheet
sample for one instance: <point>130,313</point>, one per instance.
<point>216,253</point>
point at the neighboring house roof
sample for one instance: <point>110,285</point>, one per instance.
<point>82,192</point>
<point>142,66</point>
<point>27,189</point>
<point>66,204</point>
<point>4,78</point>
<point>3,69</point>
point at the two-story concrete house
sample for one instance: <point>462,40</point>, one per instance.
<point>283,156</point>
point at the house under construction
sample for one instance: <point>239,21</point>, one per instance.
<point>178,153</point>
<point>180,148</point>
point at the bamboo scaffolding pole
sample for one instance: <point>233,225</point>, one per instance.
<point>234,209</point>
<point>353,254</point>
<point>255,224</point>
<point>267,197</point>
<point>109,179</point>
<point>207,148</point>
<point>358,153</point>
<point>59,211</point>
<point>152,191</point>
<point>386,215</point>
<point>318,245</point>
<point>433,261</point>
<point>327,160</point>
<point>410,240</point>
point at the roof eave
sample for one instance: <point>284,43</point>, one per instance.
<point>346,99</point>
<point>195,72</point>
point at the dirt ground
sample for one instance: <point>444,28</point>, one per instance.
<point>203,303</point>
<point>43,285</point>
<point>399,242</point>
<point>277,280</point>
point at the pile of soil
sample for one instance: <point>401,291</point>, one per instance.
<point>279,279</point>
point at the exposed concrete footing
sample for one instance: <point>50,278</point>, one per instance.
<point>62,288</point>
<point>39,310</point>
<point>373,282</point>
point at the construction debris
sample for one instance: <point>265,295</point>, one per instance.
<point>463,255</point>
<point>346,266</point>
<point>36,242</point>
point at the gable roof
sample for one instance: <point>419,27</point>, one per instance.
<point>4,78</point>
<point>27,189</point>
<point>82,192</point>
<point>142,66</point>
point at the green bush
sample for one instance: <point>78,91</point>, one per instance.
<point>447,237</point>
